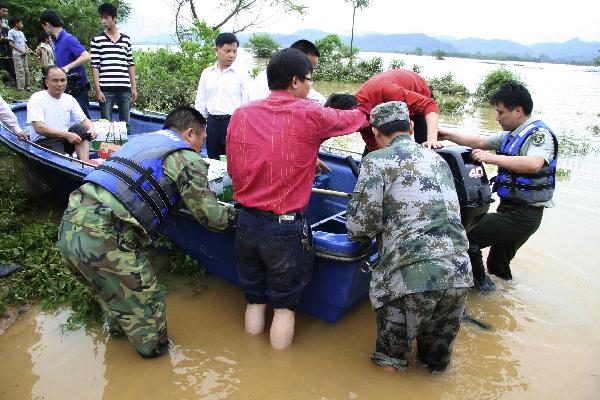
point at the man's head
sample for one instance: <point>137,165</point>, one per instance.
<point>3,11</point>
<point>341,101</point>
<point>308,48</point>
<point>513,105</point>
<point>108,15</point>
<point>50,20</point>
<point>390,119</point>
<point>55,80</point>
<point>226,46</point>
<point>291,70</point>
<point>15,22</point>
<point>189,123</point>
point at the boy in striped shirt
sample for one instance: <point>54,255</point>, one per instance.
<point>113,69</point>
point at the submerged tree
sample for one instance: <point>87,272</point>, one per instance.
<point>262,45</point>
<point>242,13</point>
<point>355,4</point>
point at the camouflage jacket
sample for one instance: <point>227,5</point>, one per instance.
<point>405,197</point>
<point>94,207</point>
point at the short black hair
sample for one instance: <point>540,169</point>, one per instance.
<point>306,46</point>
<point>51,17</point>
<point>42,36</point>
<point>341,101</point>
<point>107,9</point>
<point>49,68</point>
<point>394,126</point>
<point>14,20</point>
<point>513,94</point>
<point>226,38</point>
<point>3,6</point>
<point>284,65</point>
<point>182,118</point>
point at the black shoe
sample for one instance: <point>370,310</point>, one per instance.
<point>485,285</point>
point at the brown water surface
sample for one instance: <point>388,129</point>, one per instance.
<point>545,342</point>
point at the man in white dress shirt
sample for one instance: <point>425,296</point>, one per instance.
<point>9,120</point>
<point>222,88</point>
<point>261,87</point>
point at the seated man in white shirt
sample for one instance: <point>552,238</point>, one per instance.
<point>222,88</point>
<point>58,121</point>
<point>261,88</point>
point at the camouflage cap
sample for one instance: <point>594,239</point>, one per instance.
<point>388,112</point>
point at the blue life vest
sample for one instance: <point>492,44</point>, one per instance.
<point>134,175</point>
<point>526,188</point>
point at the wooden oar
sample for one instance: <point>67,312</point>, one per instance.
<point>331,192</point>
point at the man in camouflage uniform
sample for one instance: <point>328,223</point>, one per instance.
<point>405,197</point>
<point>106,227</point>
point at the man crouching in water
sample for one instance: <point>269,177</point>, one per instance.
<point>405,197</point>
<point>121,208</point>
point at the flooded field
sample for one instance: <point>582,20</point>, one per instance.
<point>544,342</point>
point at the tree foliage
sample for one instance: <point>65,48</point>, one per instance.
<point>241,14</point>
<point>262,45</point>
<point>334,62</point>
<point>492,81</point>
<point>168,78</point>
<point>438,54</point>
<point>356,4</point>
<point>80,17</point>
<point>397,63</point>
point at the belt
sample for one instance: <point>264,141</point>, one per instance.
<point>223,117</point>
<point>519,204</point>
<point>287,217</point>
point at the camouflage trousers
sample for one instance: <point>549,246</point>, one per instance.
<point>433,318</point>
<point>126,287</point>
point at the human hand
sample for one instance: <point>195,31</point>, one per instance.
<point>73,138</point>
<point>134,95</point>
<point>444,134</point>
<point>23,137</point>
<point>483,156</point>
<point>92,134</point>
<point>321,166</point>
<point>433,144</point>
<point>100,96</point>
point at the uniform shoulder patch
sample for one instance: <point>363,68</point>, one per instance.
<point>537,138</point>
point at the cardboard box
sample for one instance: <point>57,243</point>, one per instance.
<point>109,132</point>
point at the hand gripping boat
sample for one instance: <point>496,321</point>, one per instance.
<point>341,278</point>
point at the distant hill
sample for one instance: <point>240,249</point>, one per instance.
<point>573,51</point>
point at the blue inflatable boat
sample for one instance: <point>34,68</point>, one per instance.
<point>341,278</point>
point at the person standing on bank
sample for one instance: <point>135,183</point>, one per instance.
<point>70,55</point>
<point>6,62</point>
<point>113,69</point>
<point>526,155</point>
<point>121,208</point>
<point>405,196</point>
<point>222,88</point>
<point>44,51</point>
<point>272,147</point>
<point>20,50</point>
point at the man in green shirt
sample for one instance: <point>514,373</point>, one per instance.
<point>405,197</point>
<point>121,208</point>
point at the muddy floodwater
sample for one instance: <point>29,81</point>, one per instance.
<point>544,342</point>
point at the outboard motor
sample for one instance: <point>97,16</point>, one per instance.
<point>471,182</point>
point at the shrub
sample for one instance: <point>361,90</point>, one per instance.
<point>438,54</point>
<point>396,63</point>
<point>492,81</point>
<point>447,85</point>
<point>262,45</point>
<point>417,69</point>
<point>334,64</point>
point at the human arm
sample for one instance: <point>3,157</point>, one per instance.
<point>334,122</point>
<point>364,211</point>
<point>519,164</point>
<point>431,120</point>
<point>134,93</point>
<point>9,119</point>
<point>90,127</point>
<point>474,141</point>
<point>200,103</point>
<point>45,130</point>
<point>96,79</point>
<point>189,173</point>
<point>83,58</point>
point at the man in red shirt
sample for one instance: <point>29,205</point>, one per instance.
<point>396,85</point>
<point>272,147</point>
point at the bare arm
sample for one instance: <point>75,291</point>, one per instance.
<point>96,78</point>
<point>519,164</point>
<point>82,59</point>
<point>474,141</point>
<point>47,131</point>
<point>131,70</point>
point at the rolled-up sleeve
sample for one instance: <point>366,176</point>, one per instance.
<point>8,118</point>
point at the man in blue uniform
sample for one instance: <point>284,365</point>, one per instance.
<point>526,155</point>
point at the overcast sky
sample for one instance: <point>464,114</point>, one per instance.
<point>524,21</point>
